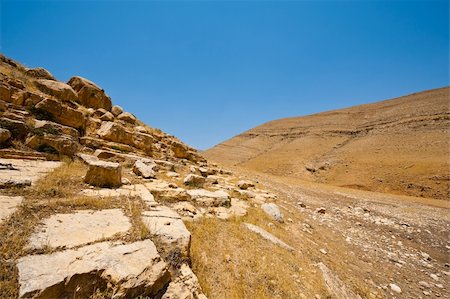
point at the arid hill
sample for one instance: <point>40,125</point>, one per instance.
<point>396,146</point>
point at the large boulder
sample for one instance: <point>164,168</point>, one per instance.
<point>127,117</point>
<point>89,94</point>
<point>45,126</point>
<point>17,128</point>
<point>59,90</point>
<point>115,132</point>
<point>167,225</point>
<point>40,73</point>
<point>104,174</point>
<point>53,144</point>
<point>61,113</point>
<point>194,180</point>
<point>273,211</point>
<point>116,110</point>
<point>143,142</point>
<point>129,271</point>
<point>209,198</point>
<point>145,168</point>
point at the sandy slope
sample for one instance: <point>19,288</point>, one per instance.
<point>398,146</point>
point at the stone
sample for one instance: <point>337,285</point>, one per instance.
<point>25,172</point>
<point>143,142</point>
<point>145,168</point>
<point>108,116</point>
<point>59,90</point>
<point>63,114</point>
<point>167,225</point>
<point>116,110</point>
<point>127,117</point>
<point>115,132</point>
<point>395,288</point>
<point>86,158</point>
<point>17,128</point>
<point>209,198</point>
<point>80,228</point>
<point>184,286</point>
<point>6,183</point>
<point>128,270</point>
<point>194,180</point>
<point>104,174</point>
<point>5,93</point>
<point>244,185</point>
<point>243,194</point>
<point>321,210</point>
<point>53,144</point>
<point>212,179</point>
<point>8,205</point>
<point>185,209</point>
<point>273,211</point>
<point>335,285</point>
<point>40,73</point>
<point>89,94</point>
<point>45,126</point>
<point>268,236</point>
<point>5,135</point>
<point>424,284</point>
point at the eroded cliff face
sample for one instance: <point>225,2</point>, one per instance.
<point>396,146</point>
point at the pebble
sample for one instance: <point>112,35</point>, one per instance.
<point>395,288</point>
<point>424,284</point>
<point>434,276</point>
<point>323,251</point>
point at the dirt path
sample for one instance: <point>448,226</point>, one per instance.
<point>373,242</point>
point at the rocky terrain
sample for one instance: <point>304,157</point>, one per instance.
<point>398,146</point>
<point>96,204</point>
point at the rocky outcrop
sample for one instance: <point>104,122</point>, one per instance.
<point>194,181</point>
<point>53,144</point>
<point>127,117</point>
<point>104,174</point>
<point>209,198</point>
<point>129,270</point>
<point>145,168</point>
<point>89,94</point>
<point>40,73</point>
<point>57,89</point>
<point>61,113</point>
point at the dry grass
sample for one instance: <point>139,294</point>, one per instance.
<point>232,262</point>
<point>57,192</point>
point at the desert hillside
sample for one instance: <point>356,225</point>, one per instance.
<point>398,146</point>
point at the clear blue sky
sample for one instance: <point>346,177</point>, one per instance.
<point>208,70</point>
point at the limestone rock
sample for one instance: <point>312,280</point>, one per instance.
<point>163,192</point>
<point>45,126</point>
<point>273,211</point>
<point>104,174</point>
<point>127,117</point>
<point>17,128</point>
<point>128,270</point>
<point>8,205</point>
<point>115,132</point>
<point>80,228</point>
<point>209,198</point>
<point>184,286</point>
<point>59,90</point>
<point>168,226</point>
<point>40,73</point>
<point>4,135</point>
<point>5,93</point>
<point>89,94</point>
<point>144,168</point>
<point>244,185</point>
<point>53,144</point>
<point>116,110</point>
<point>268,236</point>
<point>6,183</point>
<point>63,114</point>
<point>194,180</point>
<point>108,116</point>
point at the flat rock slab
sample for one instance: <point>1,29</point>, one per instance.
<point>130,270</point>
<point>26,170</point>
<point>210,198</point>
<point>127,190</point>
<point>8,205</point>
<point>268,236</point>
<point>273,211</point>
<point>82,227</point>
<point>166,224</point>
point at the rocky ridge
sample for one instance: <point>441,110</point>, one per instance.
<point>84,251</point>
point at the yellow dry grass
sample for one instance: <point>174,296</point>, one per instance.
<point>232,262</point>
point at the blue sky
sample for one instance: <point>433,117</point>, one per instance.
<point>205,71</point>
